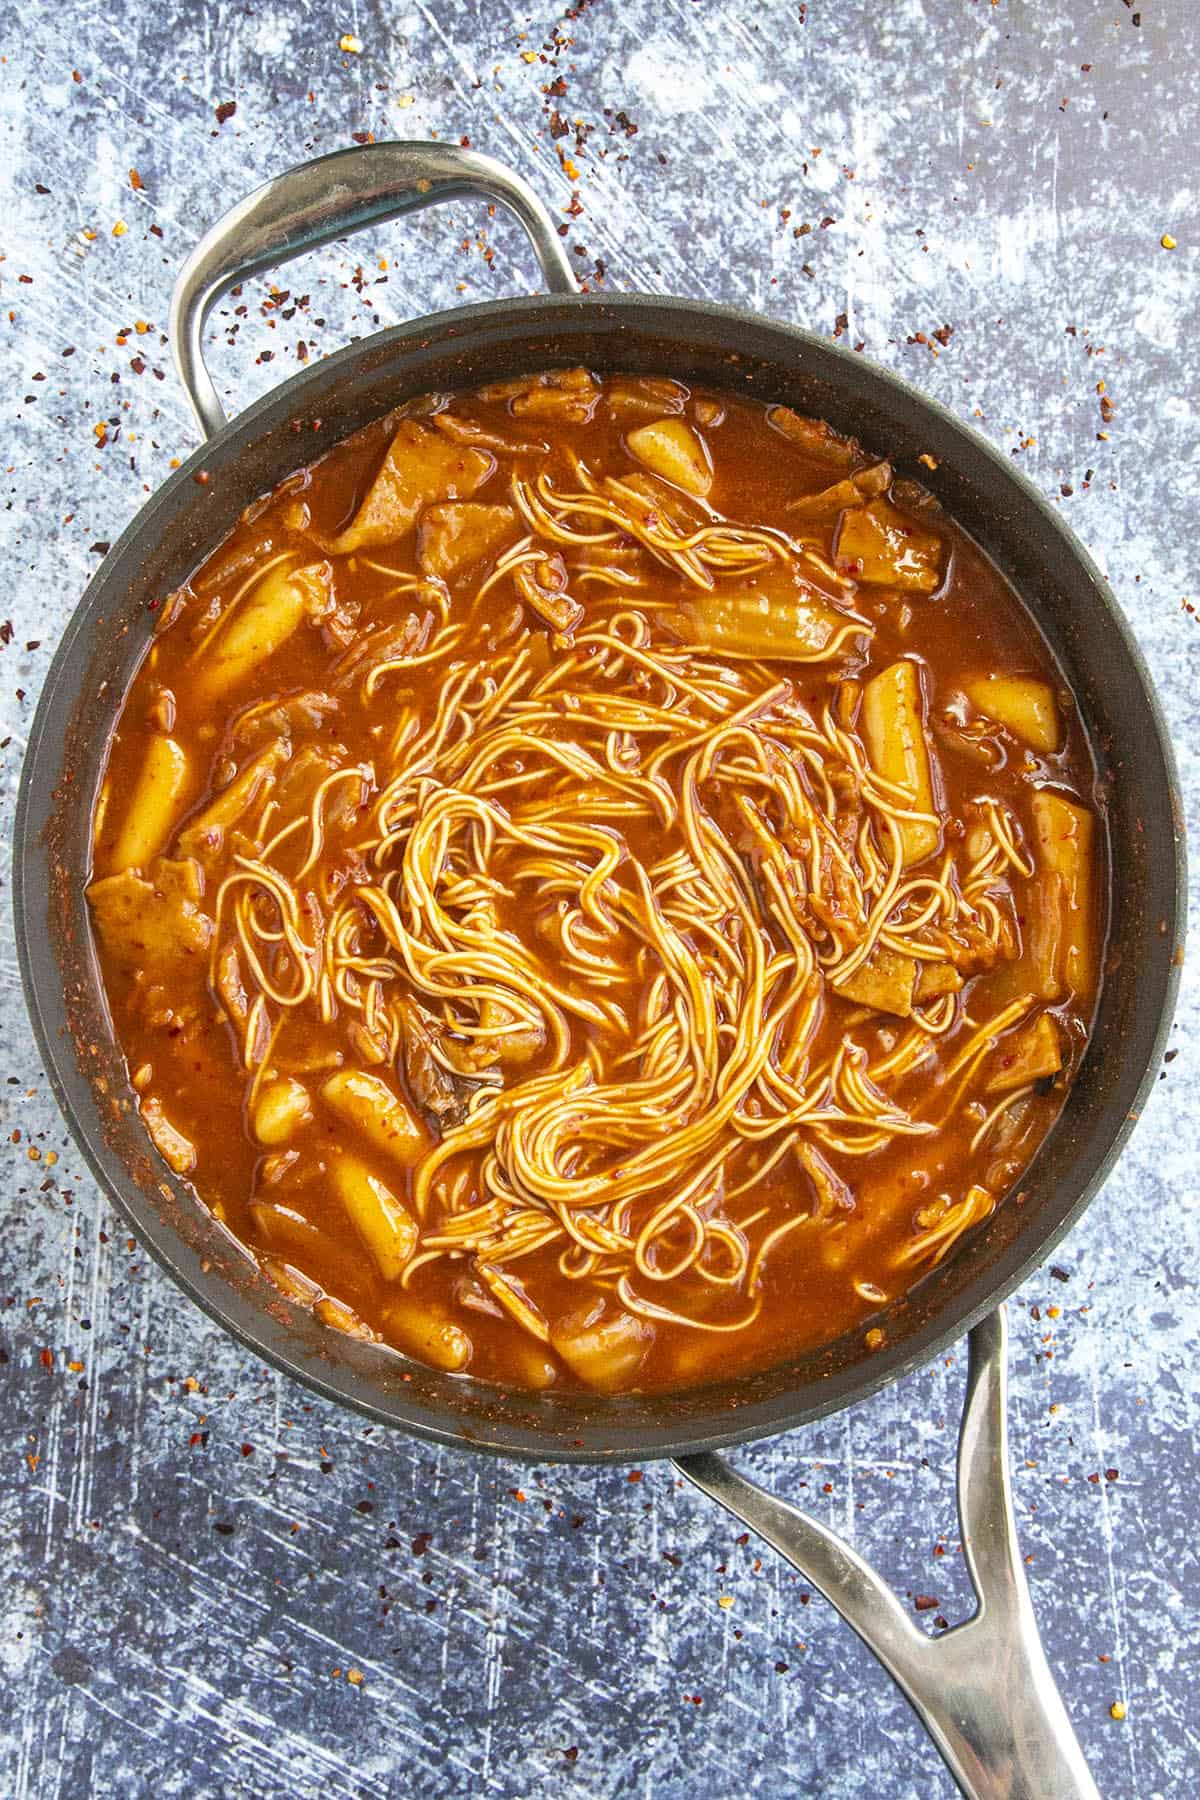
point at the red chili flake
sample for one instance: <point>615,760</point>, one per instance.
<point>1060,1274</point>
<point>1112,1474</point>
<point>46,1358</point>
<point>675,1561</point>
<point>781,1668</point>
<point>6,632</point>
<point>226,110</point>
<point>224,1527</point>
<point>926,1602</point>
<point>518,1494</point>
<point>421,1542</point>
<point>247,1449</point>
<point>634,1475</point>
<point>136,182</point>
<point>571,1752</point>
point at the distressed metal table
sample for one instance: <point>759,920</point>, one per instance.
<point>214,1586</point>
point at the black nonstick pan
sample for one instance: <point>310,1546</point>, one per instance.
<point>983,1689</point>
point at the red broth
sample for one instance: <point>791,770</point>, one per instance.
<point>599,884</point>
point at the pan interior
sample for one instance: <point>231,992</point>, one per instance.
<point>185,519</point>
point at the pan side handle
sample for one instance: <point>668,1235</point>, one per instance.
<point>328,198</point>
<point>983,1690</point>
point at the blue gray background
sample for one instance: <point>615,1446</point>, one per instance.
<point>195,1555</point>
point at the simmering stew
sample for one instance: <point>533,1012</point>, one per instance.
<point>599,883</point>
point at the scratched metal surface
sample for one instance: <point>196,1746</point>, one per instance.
<point>194,1555</point>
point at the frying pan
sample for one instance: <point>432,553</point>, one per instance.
<point>983,1689</point>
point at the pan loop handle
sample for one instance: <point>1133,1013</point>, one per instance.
<point>328,198</point>
<point>983,1690</point>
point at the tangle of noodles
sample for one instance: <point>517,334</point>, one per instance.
<point>613,878</point>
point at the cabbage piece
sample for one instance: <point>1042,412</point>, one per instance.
<point>814,437</point>
<point>1027,1055</point>
<point>421,467</point>
<point>289,1233</point>
<point>567,394</point>
<point>460,533</point>
<point>833,1194</point>
<point>259,624</point>
<point>204,836</point>
<point>852,491</point>
<point>935,979</point>
<point>880,545</point>
<point>151,924</point>
<point>643,397</point>
<point>469,431</point>
<point>884,982</point>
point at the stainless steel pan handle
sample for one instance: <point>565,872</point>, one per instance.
<point>983,1690</point>
<point>326,199</point>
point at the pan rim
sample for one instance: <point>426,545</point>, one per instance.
<point>805,1404</point>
